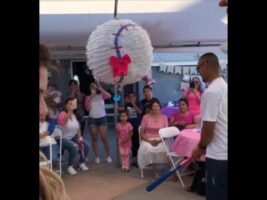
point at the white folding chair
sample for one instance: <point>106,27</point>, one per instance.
<point>141,169</point>
<point>167,136</point>
<point>47,142</point>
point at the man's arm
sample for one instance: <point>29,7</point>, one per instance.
<point>207,133</point>
<point>104,92</point>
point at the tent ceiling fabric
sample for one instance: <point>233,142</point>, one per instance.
<point>196,20</point>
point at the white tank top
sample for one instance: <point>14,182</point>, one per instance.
<point>97,109</point>
<point>70,129</point>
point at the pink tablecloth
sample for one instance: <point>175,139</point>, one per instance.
<point>186,142</point>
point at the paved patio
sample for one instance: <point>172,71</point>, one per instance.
<point>106,182</point>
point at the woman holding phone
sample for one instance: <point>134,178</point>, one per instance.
<point>71,135</point>
<point>95,105</point>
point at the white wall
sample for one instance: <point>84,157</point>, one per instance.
<point>199,50</point>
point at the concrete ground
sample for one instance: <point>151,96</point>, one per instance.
<point>106,182</point>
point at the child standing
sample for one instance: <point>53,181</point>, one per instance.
<point>124,133</point>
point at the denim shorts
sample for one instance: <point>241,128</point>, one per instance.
<point>96,122</point>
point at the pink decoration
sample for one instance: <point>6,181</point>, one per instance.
<point>149,81</point>
<point>120,65</point>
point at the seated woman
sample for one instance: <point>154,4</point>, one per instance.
<point>183,118</point>
<point>151,149</point>
<point>71,135</point>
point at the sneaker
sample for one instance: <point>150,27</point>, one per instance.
<point>109,160</point>
<point>97,160</point>
<point>83,167</point>
<point>71,170</point>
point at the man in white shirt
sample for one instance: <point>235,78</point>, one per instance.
<point>214,133</point>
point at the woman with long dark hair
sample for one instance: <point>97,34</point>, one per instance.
<point>183,118</point>
<point>71,135</point>
<point>193,96</point>
<point>95,105</point>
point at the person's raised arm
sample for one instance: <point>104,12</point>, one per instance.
<point>138,110</point>
<point>106,94</point>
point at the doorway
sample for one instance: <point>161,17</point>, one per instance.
<point>85,76</point>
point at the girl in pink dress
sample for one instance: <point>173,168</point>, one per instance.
<point>193,95</point>
<point>124,133</point>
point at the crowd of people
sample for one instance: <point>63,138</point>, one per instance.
<point>138,127</point>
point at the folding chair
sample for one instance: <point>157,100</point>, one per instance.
<point>167,136</point>
<point>47,142</point>
<point>141,169</point>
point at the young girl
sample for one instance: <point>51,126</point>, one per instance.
<point>124,133</point>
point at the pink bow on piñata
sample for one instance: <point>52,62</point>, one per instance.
<point>120,65</point>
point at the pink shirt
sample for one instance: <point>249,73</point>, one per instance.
<point>124,131</point>
<point>194,105</point>
<point>152,126</point>
<point>189,119</point>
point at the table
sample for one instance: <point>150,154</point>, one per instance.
<point>186,142</point>
<point>168,111</point>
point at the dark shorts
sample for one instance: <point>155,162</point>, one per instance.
<point>96,122</point>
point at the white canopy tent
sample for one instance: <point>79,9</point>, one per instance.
<point>192,26</point>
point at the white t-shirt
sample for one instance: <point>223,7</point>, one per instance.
<point>97,109</point>
<point>214,109</point>
<point>43,126</point>
<point>70,129</point>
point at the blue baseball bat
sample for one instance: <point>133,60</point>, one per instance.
<point>164,176</point>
